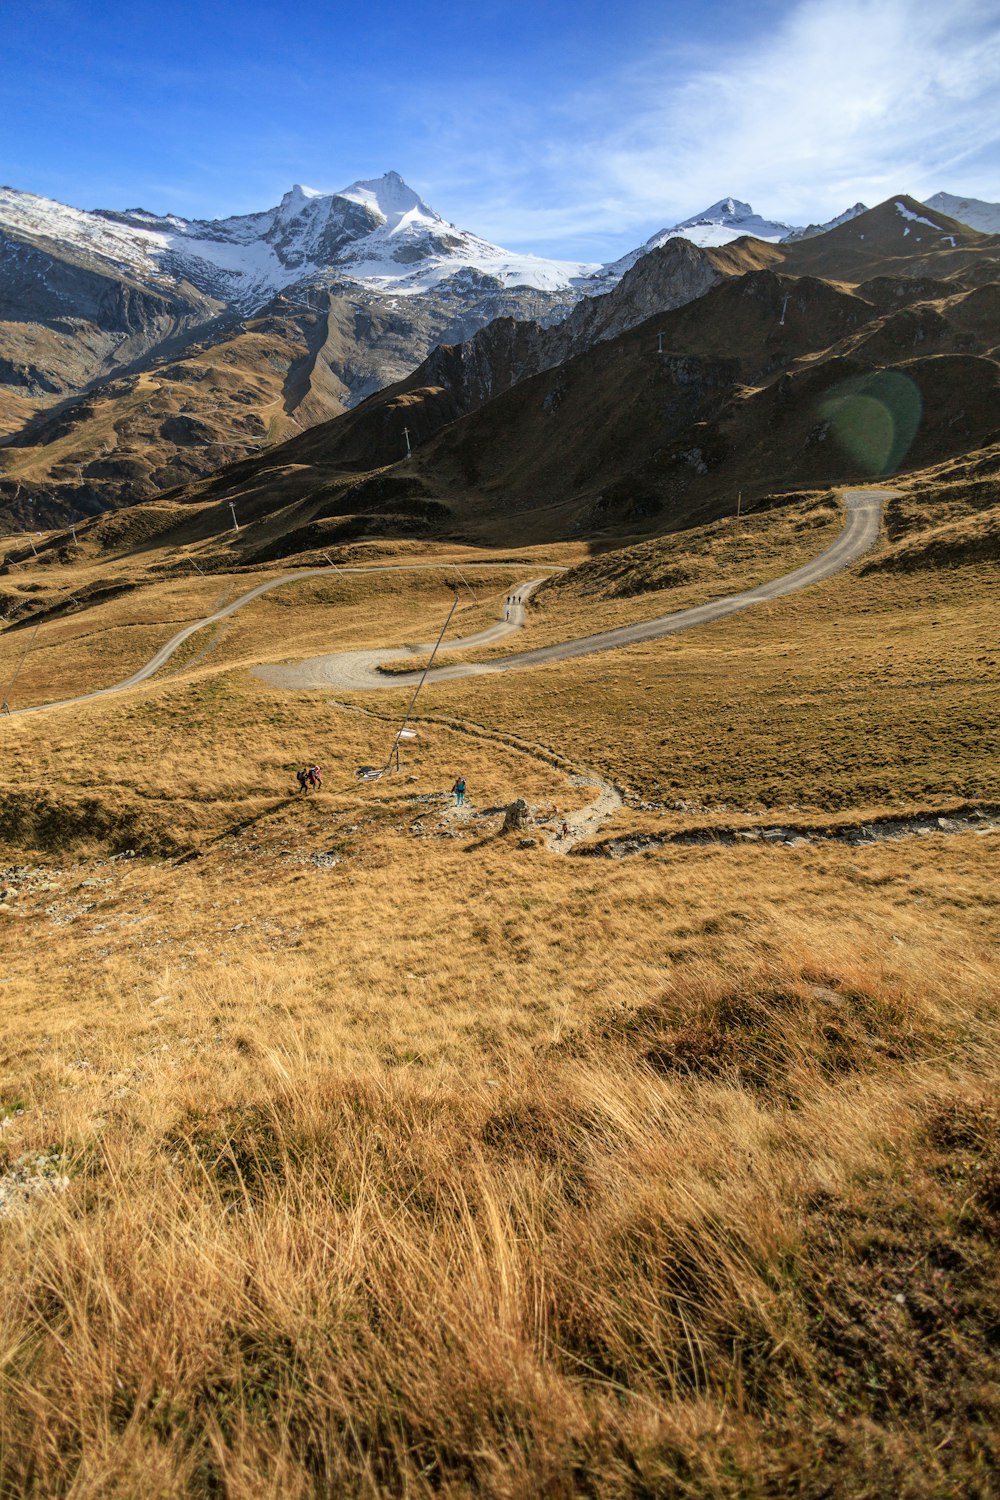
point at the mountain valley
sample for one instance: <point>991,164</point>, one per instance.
<point>625,1125</point>
<point>136,355</point>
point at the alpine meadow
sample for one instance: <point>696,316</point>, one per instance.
<point>499,854</point>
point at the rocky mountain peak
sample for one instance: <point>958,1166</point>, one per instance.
<point>392,199</point>
<point>296,199</point>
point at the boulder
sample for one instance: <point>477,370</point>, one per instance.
<point>516,816</point>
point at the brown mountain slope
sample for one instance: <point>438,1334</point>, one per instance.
<point>765,382</point>
<point>457,379</point>
<point>249,385</point>
<point>302,362</point>
<point>95,417</point>
<point>897,237</point>
<point>66,322</point>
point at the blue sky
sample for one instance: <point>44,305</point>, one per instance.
<point>569,129</point>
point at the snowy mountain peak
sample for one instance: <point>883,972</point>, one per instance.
<point>975,212</point>
<point>392,199</point>
<point>295,200</point>
<point>726,211</point>
<point>811,230</point>
<point>378,234</point>
<point>726,220</point>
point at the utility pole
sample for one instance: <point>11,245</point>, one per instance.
<point>236,524</point>
<point>72,514</point>
<point>4,705</point>
<point>659,346</point>
<point>781,320</point>
<point>468,585</point>
<point>402,732</point>
<point>406,434</point>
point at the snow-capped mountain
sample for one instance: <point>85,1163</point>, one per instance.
<point>725,221</point>
<point>813,229</point>
<point>377,233</point>
<point>972,211</point>
<point>139,351</point>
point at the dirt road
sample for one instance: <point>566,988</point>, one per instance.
<point>166,651</point>
<point>356,671</point>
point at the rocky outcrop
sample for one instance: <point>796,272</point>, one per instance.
<point>508,351</point>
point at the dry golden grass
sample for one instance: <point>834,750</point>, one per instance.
<point>342,1156</point>
<point>864,691</point>
<point>451,1172</point>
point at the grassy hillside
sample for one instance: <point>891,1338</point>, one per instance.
<point>349,1146</point>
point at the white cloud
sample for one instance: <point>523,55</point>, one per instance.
<point>838,100</point>
<point>847,99</point>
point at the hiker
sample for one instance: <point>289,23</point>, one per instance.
<point>459,790</point>
<point>315,777</point>
<point>564,831</point>
<point>302,777</point>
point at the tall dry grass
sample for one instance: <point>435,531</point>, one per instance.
<point>338,1160</point>
<point>695,1191</point>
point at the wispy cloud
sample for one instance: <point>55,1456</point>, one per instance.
<point>837,100</point>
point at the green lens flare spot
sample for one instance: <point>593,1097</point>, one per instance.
<point>874,418</point>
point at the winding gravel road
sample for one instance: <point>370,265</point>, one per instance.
<point>166,651</point>
<point>357,670</point>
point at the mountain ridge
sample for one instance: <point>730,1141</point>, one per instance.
<point>121,383</point>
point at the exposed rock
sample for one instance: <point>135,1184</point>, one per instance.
<point>516,817</point>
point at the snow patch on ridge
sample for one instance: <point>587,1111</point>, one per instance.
<point>907,213</point>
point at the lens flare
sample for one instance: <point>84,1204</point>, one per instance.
<point>874,418</point>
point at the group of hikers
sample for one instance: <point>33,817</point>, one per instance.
<point>310,778</point>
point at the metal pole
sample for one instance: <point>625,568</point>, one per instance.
<point>659,347</point>
<point>423,676</point>
<point>468,585</point>
<point>236,524</point>
<point>406,434</point>
<point>24,657</point>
